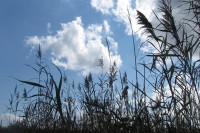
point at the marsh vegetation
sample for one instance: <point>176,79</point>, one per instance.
<point>111,102</point>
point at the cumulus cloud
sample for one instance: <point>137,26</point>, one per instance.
<point>120,14</point>
<point>103,6</point>
<point>119,10</point>
<point>77,48</point>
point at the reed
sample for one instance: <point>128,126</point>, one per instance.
<point>112,102</point>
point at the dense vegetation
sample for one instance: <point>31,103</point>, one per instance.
<point>113,103</point>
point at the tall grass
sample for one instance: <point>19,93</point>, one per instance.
<point>112,102</point>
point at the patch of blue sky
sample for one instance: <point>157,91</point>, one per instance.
<point>22,19</point>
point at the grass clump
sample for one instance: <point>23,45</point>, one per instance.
<point>113,103</point>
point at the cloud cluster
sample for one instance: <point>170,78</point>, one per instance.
<point>77,48</point>
<point>120,13</point>
<point>118,9</point>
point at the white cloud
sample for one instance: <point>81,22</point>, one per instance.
<point>7,118</point>
<point>107,27</point>
<point>103,6</point>
<point>120,14</point>
<point>77,48</point>
<point>119,10</point>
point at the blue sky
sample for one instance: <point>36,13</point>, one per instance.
<point>72,34</point>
